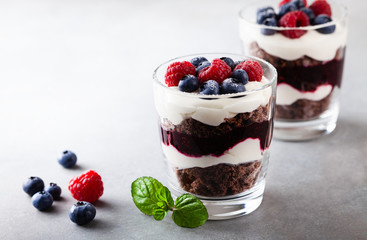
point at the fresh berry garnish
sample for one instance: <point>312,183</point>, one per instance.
<point>210,87</point>
<point>202,66</point>
<point>188,83</point>
<point>218,71</point>
<point>271,22</point>
<point>264,13</point>
<point>68,159</point>
<point>82,213</point>
<point>86,187</point>
<point>232,85</point>
<point>321,19</point>
<point>253,69</point>
<point>42,200</point>
<point>196,61</point>
<point>176,71</point>
<point>321,7</point>
<point>294,19</point>
<point>287,1</point>
<point>310,14</point>
<point>286,8</point>
<point>54,190</point>
<point>33,185</point>
<point>299,3</point>
<point>241,76</point>
<point>229,62</point>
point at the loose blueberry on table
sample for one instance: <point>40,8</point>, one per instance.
<point>68,159</point>
<point>82,213</point>
<point>42,200</point>
<point>33,185</point>
<point>54,190</point>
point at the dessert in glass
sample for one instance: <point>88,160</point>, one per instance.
<point>216,120</point>
<point>306,43</point>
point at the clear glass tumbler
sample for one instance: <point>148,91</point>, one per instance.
<point>216,147</point>
<point>310,69</point>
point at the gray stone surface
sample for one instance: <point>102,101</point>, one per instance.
<point>77,75</point>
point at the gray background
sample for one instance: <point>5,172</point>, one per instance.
<point>77,75</point>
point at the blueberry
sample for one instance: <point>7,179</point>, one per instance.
<point>309,13</point>
<point>264,13</point>
<point>210,87</point>
<point>298,3</point>
<point>33,185</point>
<point>196,61</point>
<point>241,76</point>
<point>202,65</point>
<point>68,159</point>
<point>238,62</point>
<point>188,83</point>
<point>286,8</point>
<point>232,85</point>
<point>54,190</point>
<point>321,19</point>
<point>82,213</point>
<point>42,200</point>
<point>228,61</point>
<point>272,22</point>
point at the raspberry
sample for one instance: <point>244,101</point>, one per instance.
<point>321,7</point>
<point>287,1</point>
<point>294,19</point>
<point>218,71</point>
<point>253,70</point>
<point>87,187</point>
<point>176,71</point>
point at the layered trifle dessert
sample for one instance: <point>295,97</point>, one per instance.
<point>306,44</point>
<point>215,120</point>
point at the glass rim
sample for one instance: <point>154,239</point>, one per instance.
<point>216,96</point>
<point>311,27</point>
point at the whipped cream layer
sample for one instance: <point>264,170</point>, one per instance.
<point>245,151</point>
<point>177,106</point>
<point>321,47</point>
<point>286,94</point>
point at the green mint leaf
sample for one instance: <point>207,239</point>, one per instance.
<point>189,212</point>
<point>164,195</point>
<point>159,214</point>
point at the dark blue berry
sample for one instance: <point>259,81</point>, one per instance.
<point>210,87</point>
<point>272,22</point>
<point>298,3</point>
<point>196,61</point>
<point>202,66</point>
<point>286,8</point>
<point>42,200</point>
<point>241,76</point>
<point>309,13</point>
<point>232,85</point>
<point>33,185</point>
<point>188,83</point>
<point>228,61</point>
<point>68,159</point>
<point>54,190</point>
<point>321,19</point>
<point>237,62</point>
<point>82,213</point>
<point>264,13</point>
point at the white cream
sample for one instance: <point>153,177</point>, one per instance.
<point>177,106</point>
<point>246,151</point>
<point>287,94</point>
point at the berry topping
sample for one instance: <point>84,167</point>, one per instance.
<point>299,3</point>
<point>294,19</point>
<point>321,19</point>
<point>68,159</point>
<point>264,13</point>
<point>197,61</point>
<point>286,8</point>
<point>241,76</point>
<point>272,22</point>
<point>42,200</point>
<point>253,69</point>
<point>321,7</point>
<point>86,187</point>
<point>229,61</point>
<point>82,213</point>
<point>232,85</point>
<point>210,87</point>
<point>54,190</point>
<point>309,13</point>
<point>176,71</point>
<point>287,1</point>
<point>33,185</point>
<point>188,83</point>
<point>202,66</point>
<point>217,71</point>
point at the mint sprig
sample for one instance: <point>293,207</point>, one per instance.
<point>154,199</point>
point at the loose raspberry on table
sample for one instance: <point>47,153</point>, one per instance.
<point>87,187</point>
<point>176,71</point>
<point>218,71</point>
<point>253,70</point>
<point>294,19</point>
<point>287,1</point>
<point>321,7</point>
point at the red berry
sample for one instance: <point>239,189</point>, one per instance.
<point>218,71</point>
<point>253,70</point>
<point>294,19</point>
<point>321,7</point>
<point>287,1</point>
<point>176,71</point>
<point>87,187</point>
